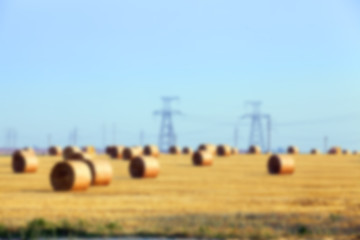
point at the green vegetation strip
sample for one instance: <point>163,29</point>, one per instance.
<point>240,226</point>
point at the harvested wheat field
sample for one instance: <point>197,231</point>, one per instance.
<point>233,197</point>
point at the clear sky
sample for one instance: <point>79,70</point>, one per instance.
<point>94,64</point>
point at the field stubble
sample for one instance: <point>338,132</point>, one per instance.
<point>322,186</point>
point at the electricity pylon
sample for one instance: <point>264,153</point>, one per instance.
<point>256,131</point>
<point>167,136</point>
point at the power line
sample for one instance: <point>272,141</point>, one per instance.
<point>332,119</point>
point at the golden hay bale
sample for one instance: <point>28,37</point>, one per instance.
<point>130,153</point>
<point>175,150</point>
<point>355,152</point>
<point>335,150</point>
<point>80,156</point>
<point>187,150</point>
<point>24,162</point>
<point>281,164</point>
<point>144,167</point>
<point>254,149</point>
<point>315,151</point>
<point>70,150</point>
<point>101,171</point>
<point>29,150</point>
<point>223,150</point>
<point>202,158</point>
<point>70,176</point>
<point>234,151</point>
<point>293,150</point>
<point>151,150</point>
<point>208,147</point>
<point>115,152</point>
<point>108,150</point>
<point>89,150</point>
<point>346,152</point>
<point>55,151</point>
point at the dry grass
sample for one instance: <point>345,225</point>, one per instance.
<point>322,186</point>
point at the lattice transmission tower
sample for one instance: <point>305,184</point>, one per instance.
<point>256,130</point>
<point>167,136</point>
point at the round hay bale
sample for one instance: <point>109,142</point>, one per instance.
<point>89,150</point>
<point>355,152</point>
<point>254,149</point>
<point>101,172</point>
<point>223,150</point>
<point>108,150</point>
<point>29,150</point>
<point>175,150</point>
<point>151,150</point>
<point>234,151</point>
<point>70,176</point>
<point>187,150</point>
<point>144,167</point>
<point>315,151</point>
<point>346,152</point>
<point>208,147</point>
<point>70,150</point>
<point>24,162</point>
<point>281,164</point>
<point>55,151</point>
<point>115,152</point>
<point>80,156</point>
<point>130,153</point>
<point>293,150</point>
<point>335,150</point>
<point>202,158</point>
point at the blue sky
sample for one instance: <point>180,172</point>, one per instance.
<point>92,64</point>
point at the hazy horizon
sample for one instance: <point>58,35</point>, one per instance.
<point>90,64</point>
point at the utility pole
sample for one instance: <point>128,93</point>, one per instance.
<point>269,129</point>
<point>236,137</point>
<point>73,137</point>
<point>10,138</point>
<point>142,138</point>
<point>15,135</point>
<point>114,133</point>
<point>49,140</point>
<point>326,140</point>
<point>167,136</point>
<point>256,132</point>
<point>6,143</point>
<point>104,135</point>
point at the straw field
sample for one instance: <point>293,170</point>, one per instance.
<point>322,187</point>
